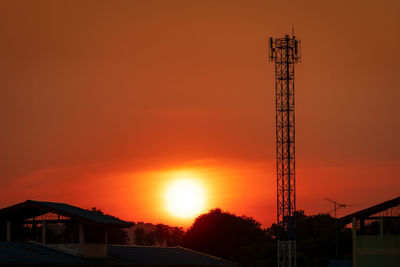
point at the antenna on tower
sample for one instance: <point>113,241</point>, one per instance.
<point>336,206</point>
<point>285,53</point>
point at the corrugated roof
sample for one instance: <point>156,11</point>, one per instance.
<point>340,263</point>
<point>87,214</point>
<point>31,208</point>
<point>140,255</point>
<point>370,211</point>
<point>28,253</point>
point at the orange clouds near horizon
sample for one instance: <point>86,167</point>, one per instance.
<point>224,183</point>
<point>243,188</point>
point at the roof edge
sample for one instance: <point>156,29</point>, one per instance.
<point>41,206</point>
<point>370,210</point>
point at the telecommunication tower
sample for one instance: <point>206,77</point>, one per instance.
<point>285,52</point>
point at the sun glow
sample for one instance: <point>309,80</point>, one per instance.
<point>185,198</point>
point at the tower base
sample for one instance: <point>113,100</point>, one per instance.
<point>287,253</point>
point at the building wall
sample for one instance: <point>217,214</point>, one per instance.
<point>376,250</point>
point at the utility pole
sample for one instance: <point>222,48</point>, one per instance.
<point>285,52</point>
<point>336,206</point>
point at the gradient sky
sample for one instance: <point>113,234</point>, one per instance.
<point>103,102</point>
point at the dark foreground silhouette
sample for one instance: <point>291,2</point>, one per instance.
<point>236,238</point>
<point>241,239</point>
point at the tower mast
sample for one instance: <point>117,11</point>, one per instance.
<point>285,52</point>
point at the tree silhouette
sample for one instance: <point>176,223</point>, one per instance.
<point>175,237</point>
<point>140,236</point>
<point>316,240</point>
<point>238,238</point>
<point>161,234</point>
<point>149,239</point>
<point>241,239</point>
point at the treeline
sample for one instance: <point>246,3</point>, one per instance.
<point>160,235</point>
<point>241,239</point>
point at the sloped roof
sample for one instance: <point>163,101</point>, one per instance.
<point>31,208</point>
<point>365,213</point>
<point>157,256</point>
<point>35,254</point>
<point>340,263</point>
<point>15,253</point>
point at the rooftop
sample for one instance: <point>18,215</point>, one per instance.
<point>365,213</point>
<point>22,253</point>
<point>31,208</point>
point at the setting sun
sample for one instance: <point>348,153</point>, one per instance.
<point>185,198</point>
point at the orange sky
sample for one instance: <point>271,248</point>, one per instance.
<point>101,99</point>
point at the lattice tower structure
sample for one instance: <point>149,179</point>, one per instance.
<point>285,53</point>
